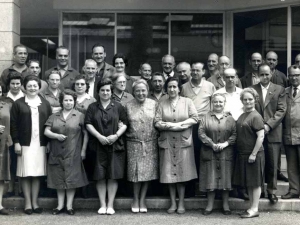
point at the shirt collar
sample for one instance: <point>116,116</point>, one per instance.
<point>19,95</point>
<point>199,85</point>
<point>170,74</point>
<point>262,87</point>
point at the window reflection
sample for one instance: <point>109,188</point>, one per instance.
<point>260,31</point>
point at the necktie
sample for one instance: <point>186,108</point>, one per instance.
<point>295,92</point>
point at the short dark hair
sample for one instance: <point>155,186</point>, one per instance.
<point>158,74</point>
<point>67,92</point>
<point>106,81</point>
<point>55,71</point>
<point>121,56</point>
<point>33,60</point>
<point>97,45</point>
<point>62,47</point>
<point>19,46</point>
<point>173,79</point>
<point>83,77</point>
<point>30,78</point>
<point>14,75</point>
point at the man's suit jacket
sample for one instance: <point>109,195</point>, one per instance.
<point>247,80</point>
<point>218,83</point>
<point>272,110</point>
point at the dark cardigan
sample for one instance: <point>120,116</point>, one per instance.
<point>20,121</point>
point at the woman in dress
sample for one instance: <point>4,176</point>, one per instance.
<point>141,143</point>
<point>119,94</point>
<point>217,131</point>
<point>52,93</point>
<point>27,119</point>
<point>102,119</point>
<point>5,143</point>
<point>67,150</point>
<point>81,87</point>
<point>120,62</point>
<point>250,160</point>
<point>174,118</point>
<point>14,83</point>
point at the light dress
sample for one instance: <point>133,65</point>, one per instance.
<point>32,161</point>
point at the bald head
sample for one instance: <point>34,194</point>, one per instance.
<point>224,63</point>
<point>212,62</point>
<point>90,68</point>
<point>229,77</point>
<point>272,59</point>
<point>168,63</point>
<point>255,61</point>
<point>184,70</point>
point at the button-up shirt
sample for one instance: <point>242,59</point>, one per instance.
<point>168,75</point>
<point>264,91</point>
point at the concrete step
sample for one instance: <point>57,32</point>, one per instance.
<point>160,203</point>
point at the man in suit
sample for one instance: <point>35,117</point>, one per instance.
<point>90,70</point>
<point>218,80</point>
<point>168,64</point>
<point>277,76</point>
<point>272,107</point>
<point>291,130</point>
<point>252,78</point>
<point>68,74</point>
<point>184,72</point>
<point>104,70</point>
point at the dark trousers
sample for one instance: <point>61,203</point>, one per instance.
<point>293,167</point>
<point>272,153</point>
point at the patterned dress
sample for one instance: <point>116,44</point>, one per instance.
<point>141,139</point>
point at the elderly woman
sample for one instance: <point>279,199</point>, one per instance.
<point>217,132</point>
<point>250,161</point>
<point>119,94</point>
<point>102,120</point>
<point>27,119</point>
<point>174,118</point>
<point>120,62</point>
<point>67,150</point>
<point>5,142</point>
<point>141,140</point>
<point>81,87</point>
<point>52,93</point>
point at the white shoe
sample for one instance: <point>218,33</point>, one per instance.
<point>102,211</point>
<point>143,210</point>
<point>110,211</point>
<point>135,210</point>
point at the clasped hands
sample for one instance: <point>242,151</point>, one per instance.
<point>219,147</point>
<point>109,140</point>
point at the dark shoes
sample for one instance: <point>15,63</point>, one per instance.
<point>38,210</point>
<point>226,212</point>
<point>206,212</point>
<point>70,212</point>
<point>28,211</point>
<point>281,177</point>
<point>273,198</point>
<point>4,211</point>
<point>57,211</point>
<point>289,195</point>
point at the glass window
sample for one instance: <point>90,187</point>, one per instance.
<point>260,31</point>
<point>195,36</point>
<point>82,30</point>
<point>295,32</point>
<point>142,38</point>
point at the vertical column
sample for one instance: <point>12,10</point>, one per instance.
<point>228,35</point>
<point>9,30</point>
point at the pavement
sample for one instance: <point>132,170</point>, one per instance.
<point>153,217</point>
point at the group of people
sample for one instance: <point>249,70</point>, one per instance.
<point>174,126</point>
